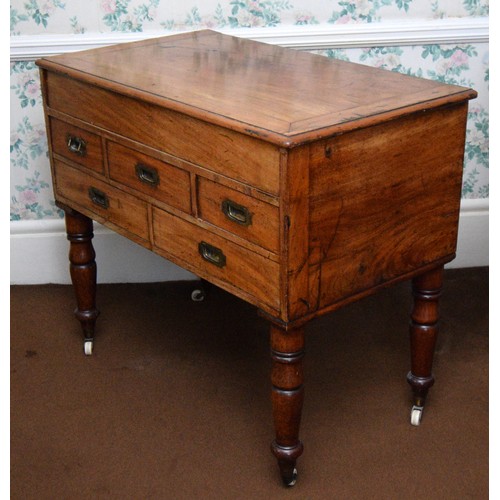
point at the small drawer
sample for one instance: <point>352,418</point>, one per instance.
<point>165,182</point>
<point>212,255</point>
<point>113,205</point>
<point>76,144</point>
<point>252,219</point>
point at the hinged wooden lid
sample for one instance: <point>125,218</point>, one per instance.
<point>284,96</point>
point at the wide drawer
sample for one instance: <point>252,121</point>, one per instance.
<point>76,144</point>
<point>252,219</point>
<point>212,255</point>
<point>238,156</point>
<point>109,203</point>
<point>153,177</point>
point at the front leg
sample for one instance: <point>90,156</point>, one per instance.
<point>423,335</point>
<point>287,352</point>
<point>83,272</point>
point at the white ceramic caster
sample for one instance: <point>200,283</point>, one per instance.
<point>416,415</point>
<point>293,480</point>
<point>87,347</point>
<point>197,295</point>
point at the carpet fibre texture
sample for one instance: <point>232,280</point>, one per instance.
<point>175,401</point>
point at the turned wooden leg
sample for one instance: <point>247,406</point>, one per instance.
<point>287,351</point>
<point>83,272</point>
<point>423,335</point>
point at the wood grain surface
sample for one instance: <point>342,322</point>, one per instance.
<point>235,155</point>
<point>172,186</point>
<point>92,156</point>
<point>385,200</point>
<point>286,96</point>
<point>123,209</point>
<point>263,228</point>
<point>243,270</point>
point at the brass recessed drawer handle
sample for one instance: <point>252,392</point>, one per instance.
<point>148,175</point>
<point>76,145</point>
<point>236,213</point>
<point>98,197</point>
<point>212,254</point>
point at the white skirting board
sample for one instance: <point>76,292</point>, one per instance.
<point>39,254</point>
<point>39,251</point>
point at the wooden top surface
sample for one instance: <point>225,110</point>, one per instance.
<point>282,95</point>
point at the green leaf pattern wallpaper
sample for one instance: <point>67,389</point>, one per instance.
<point>468,65</point>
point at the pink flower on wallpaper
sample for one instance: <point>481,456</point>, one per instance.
<point>108,6</point>
<point>32,89</point>
<point>459,58</point>
<point>363,7</point>
<point>47,8</point>
<point>28,197</point>
<point>389,62</point>
<point>344,19</point>
<point>208,22</point>
<point>14,137</point>
<point>456,61</point>
<point>35,137</point>
<point>26,79</point>
<point>246,19</point>
<point>303,18</point>
<point>444,66</point>
<point>254,6</point>
<point>477,138</point>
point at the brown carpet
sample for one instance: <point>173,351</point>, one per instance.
<point>174,403</point>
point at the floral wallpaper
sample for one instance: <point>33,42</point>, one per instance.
<point>70,16</point>
<point>468,65</point>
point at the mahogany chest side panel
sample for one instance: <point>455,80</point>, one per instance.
<point>384,202</point>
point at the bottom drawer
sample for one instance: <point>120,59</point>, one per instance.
<point>109,203</point>
<point>211,255</point>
